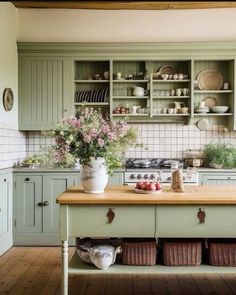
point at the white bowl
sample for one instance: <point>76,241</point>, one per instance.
<point>219,109</point>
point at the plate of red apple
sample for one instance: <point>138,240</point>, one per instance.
<point>146,187</point>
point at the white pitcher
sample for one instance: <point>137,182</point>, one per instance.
<point>139,91</point>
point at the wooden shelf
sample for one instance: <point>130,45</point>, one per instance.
<point>130,97</point>
<point>91,103</point>
<point>130,115</point>
<point>171,81</point>
<point>213,114</point>
<point>169,96</point>
<point>77,266</point>
<point>213,91</point>
<point>91,81</point>
<point>170,115</point>
<point>130,81</point>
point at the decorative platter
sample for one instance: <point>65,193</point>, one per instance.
<point>209,101</point>
<point>210,80</point>
<point>140,191</point>
<point>203,124</point>
<point>167,69</point>
<point>8,99</point>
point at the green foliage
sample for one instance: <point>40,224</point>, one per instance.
<point>221,153</point>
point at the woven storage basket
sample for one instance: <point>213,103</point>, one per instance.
<point>139,251</point>
<point>222,253</point>
<point>182,252</point>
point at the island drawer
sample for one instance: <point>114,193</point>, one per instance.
<point>128,221</point>
<point>183,221</point>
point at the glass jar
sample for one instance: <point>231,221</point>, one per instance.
<point>177,184</point>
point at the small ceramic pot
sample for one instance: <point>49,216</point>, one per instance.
<point>103,256</point>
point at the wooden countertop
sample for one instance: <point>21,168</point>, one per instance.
<point>124,195</point>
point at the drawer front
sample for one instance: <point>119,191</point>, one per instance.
<point>182,221</point>
<point>129,221</point>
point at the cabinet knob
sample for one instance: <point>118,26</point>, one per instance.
<point>5,180</point>
<point>27,179</point>
<point>110,215</point>
<point>45,203</point>
<point>201,215</point>
<point>40,204</point>
<point>65,111</point>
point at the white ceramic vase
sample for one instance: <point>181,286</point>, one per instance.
<point>94,176</point>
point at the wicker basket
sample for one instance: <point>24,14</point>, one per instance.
<point>222,253</point>
<point>179,252</point>
<point>139,251</point>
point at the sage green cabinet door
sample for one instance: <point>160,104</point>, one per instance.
<point>44,91</point>
<point>28,203</point>
<point>222,179</point>
<point>53,186</point>
<point>5,212</point>
<point>116,179</point>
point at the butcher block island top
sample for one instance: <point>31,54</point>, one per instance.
<point>126,195</point>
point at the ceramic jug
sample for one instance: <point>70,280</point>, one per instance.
<point>134,109</point>
<point>103,256</point>
<point>139,91</point>
<point>178,104</point>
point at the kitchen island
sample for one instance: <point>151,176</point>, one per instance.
<point>162,215</point>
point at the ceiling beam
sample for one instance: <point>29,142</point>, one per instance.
<point>129,5</point>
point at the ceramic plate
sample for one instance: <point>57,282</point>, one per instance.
<point>209,101</point>
<point>139,191</point>
<point>203,124</point>
<point>167,69</point>
<point>210,80</point>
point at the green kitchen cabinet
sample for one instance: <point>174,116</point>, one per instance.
<point>6,239</point>
<point>53,186</point>
<point>28,203</point>
<point>36,214</point>
<point>218,179</point>
<point>44,91</point>
<point>116,179</point>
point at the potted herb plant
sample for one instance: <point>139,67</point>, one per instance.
<point>219,155</point>
<point>98,143</point>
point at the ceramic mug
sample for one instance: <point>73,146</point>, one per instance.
<point>178,91</point>
<point>202,104</point>
<point>185,91</point>
<point>118,76</point>
<point>164,111</point>
<point>170,110</point>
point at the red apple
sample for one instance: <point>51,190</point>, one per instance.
<point>143,187</point>
<point>146,182</point>
<point>158,186</point>
<point>139,184</point>
<point>151,187</point>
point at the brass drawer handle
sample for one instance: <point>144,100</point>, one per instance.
<point>27,179</point>
<point>201,215</point>
<point>110,215</point>
<point>45,203</point>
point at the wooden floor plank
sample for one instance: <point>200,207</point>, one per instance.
<point>17,271</point>
<point>203,284</point>
<point>219,286</point>
<point>187,285</point>
<point>125,286</point>
<point>230,280</point>
<point>158,284</point>
<point>37,271</point>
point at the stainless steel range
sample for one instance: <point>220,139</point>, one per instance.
<point>153,170</point>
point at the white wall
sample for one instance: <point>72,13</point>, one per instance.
<point>61,25</point>
<point>8,61</point>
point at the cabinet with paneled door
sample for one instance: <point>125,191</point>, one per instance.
<point>35,210</point>
<point>6,240</point>
<point>44,91</point>
<point>217,178</point>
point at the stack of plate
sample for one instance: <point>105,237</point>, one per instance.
<point>202,110</point>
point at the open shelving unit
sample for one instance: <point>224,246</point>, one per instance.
<point>158,92</point>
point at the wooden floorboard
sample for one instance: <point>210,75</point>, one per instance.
<point>36,271</point>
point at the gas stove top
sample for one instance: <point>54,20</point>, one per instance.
<point>152,170</point>
<point>150,164</point>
